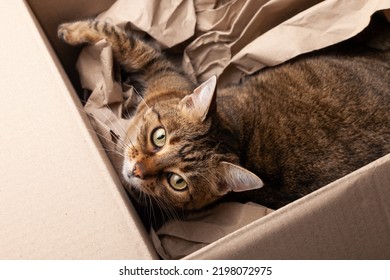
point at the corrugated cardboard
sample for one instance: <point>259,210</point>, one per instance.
<point>60,197</point>
<point>348,219</point>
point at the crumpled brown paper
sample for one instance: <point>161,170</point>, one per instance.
<point>169,22</point>
<point>110,102</point>
<point>229,38</point>
<point>177,239</point>
<point>322,25</point>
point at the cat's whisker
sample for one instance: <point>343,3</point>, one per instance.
<point>124,134</point>
<point>163,209</point>
<point>168,209</point>
<point>123,130</point>
<point>151,209</point>
<point>104,126</point>
<point>140,196</point>
<point>119,144</point>
<point>152,214</point>
<point>148,203</point>
<point>127,112</point>
<point>142,98</point>
<point>111,151</point>
<point>107,139</point>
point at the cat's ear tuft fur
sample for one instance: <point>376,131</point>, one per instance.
<point>238,179</point>
<point>198,103</point>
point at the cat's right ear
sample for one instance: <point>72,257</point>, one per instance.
<point>238,179</point>
<point>197,104</point>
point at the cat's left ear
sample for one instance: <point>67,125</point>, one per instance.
<point>238,179</point>
<point>198,104</point>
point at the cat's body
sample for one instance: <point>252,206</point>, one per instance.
<point>302,126</point>
<point>297,126</point>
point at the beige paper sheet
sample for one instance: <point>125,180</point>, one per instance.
<point>177,239</point>
<point>228,38</point>
<point>169,22</point>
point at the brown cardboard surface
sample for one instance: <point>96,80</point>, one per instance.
<point>59,197</point>
<point>51,13</point>
<point>348,219</point>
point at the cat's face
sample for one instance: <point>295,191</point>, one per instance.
<point>162,160</point>
<point>170,156</point>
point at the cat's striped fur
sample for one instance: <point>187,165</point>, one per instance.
<point>297,126</point>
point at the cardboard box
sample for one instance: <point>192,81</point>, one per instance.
<point>61,199</point>
<point>59,196</point>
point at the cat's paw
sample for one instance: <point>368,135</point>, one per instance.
<point>78,32</point>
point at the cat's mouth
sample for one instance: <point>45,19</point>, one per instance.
<point>139,196</point>
<point>129,178</point>
<point>134,183</point>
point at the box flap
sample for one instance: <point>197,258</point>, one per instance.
<point>348,219</point>
<point>59,196</point>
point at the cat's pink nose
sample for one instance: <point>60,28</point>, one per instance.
<point>137,172</point>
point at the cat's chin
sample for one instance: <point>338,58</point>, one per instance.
<point>135,192</point>
<point>133,184</point>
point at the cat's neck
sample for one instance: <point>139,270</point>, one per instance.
<point>236,113</point>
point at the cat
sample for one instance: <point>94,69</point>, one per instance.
<point>277,136</point>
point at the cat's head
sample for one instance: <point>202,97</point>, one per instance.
<point>173,153</point>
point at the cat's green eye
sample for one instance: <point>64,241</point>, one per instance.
<point>177,182</point>
<point>159,137</point>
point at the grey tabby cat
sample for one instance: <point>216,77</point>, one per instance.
<point>275,137</point>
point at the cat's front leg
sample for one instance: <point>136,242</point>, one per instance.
<point>132,53</point>
<point>87,31</point>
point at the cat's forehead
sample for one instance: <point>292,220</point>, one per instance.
<point>166,107</point>
<point>168,114</point>
<point>179,127</point>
